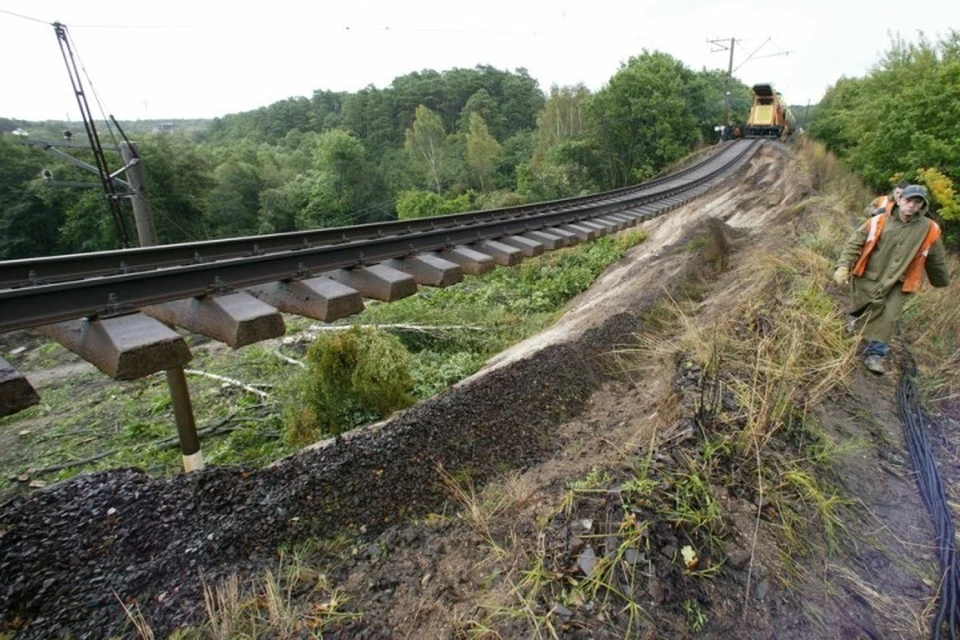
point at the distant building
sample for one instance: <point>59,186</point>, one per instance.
<point>164,127</point>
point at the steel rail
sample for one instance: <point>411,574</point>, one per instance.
<point>48,270</point>
<point>30,306</point>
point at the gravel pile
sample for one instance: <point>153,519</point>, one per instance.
<point>71,553</point>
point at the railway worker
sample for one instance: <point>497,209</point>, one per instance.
<point>886,203</point>
<point>887,256</point>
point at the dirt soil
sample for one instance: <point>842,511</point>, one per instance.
<point>407,555</point>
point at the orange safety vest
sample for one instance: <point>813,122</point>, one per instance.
<point>883,204</point>
<point>911,277</point>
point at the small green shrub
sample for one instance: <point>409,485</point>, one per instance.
<point>434,371</point>
<point>352,377</point>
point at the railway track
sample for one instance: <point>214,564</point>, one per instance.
<point>110,307</point>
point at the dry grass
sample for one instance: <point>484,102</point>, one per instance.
<point>297,601</point>
<point>135,616</point>
<point>224,609</point>
<point>884,607</point>
<point>832,178</point>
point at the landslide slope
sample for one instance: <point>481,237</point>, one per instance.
<point>559,492</point>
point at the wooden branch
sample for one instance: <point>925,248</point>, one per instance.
<point>289,360</point>
<point>420,328</point>
<point>73,463</point>
<point>230,381</point>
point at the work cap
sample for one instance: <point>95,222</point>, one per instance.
<point>915,191</point>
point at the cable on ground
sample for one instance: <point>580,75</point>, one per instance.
<point>934,495</point>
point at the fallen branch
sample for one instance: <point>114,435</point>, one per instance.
<point>289,360</point>
<point>73,463</point>
<point>420,328</point>
<point>230,381</point>
<point>217,427</point>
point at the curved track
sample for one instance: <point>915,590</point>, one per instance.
<point>41,291</point>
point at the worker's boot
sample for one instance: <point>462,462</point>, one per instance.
<point>874,363</point>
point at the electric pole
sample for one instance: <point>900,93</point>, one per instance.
<point>142,213</point>
<point>722,43</point>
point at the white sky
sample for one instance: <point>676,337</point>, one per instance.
<point>179,59</point>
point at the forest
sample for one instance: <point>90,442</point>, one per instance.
<point>430,143</point>
<point>902,121</point>
<point>437,142</point>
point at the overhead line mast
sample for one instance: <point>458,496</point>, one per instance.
<point>721,42</point>
<point>106,180</point>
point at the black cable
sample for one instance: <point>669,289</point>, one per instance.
<point>932,491</point>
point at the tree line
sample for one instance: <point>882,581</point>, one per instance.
<point>432,142</point>
<point>901,121</point>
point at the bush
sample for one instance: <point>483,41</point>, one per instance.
<point>426,204</point>
<point>352,377</point>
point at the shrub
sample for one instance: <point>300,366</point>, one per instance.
<point>352,377</point>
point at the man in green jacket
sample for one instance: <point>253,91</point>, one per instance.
<point>887,256</point>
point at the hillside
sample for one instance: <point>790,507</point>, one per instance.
<point>691,451</point>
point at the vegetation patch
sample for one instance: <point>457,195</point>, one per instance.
<point>255,405</point>
<point>352,377</point>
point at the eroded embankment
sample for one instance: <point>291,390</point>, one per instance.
<point>70,553</point>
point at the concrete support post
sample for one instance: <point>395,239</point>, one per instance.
<point>183,411</point>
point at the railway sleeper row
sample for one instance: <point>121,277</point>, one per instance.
<point>136,345</point>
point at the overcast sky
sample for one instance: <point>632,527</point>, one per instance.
<point>179,59</point>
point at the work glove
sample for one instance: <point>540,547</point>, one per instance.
<point>841,276</point>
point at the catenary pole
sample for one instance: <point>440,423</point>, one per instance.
<point>722,44</point>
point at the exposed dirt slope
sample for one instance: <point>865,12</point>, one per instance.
<point>545,414</point>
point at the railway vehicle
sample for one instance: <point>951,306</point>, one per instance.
<point>769,116</point>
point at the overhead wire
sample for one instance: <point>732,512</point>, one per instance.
<point>20,15</point>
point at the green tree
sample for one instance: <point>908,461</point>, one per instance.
<point>178,177</point>
<point>643,119</point>
<point>281,207</point>
<point>556,168</point>
<point>426,143</point>
<point>234,201</point>
<point>484,105</point>
<point>562,118</point>
<point>482,152</point>
<point>706,95</point>
<point>89,224</point>
<point>901,120</point>
<point>30,215</point>
<point>416,203</point>
<point>343,187</point>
